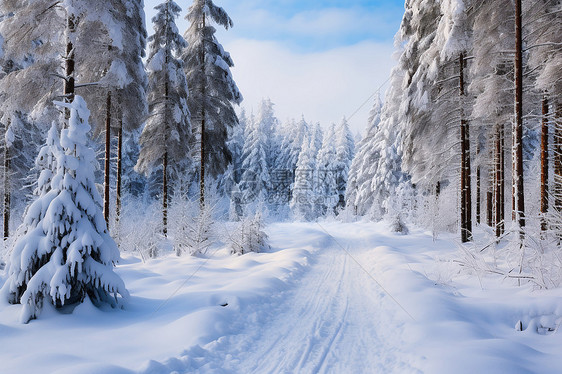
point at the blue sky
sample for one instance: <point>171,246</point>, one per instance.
<point>320,59</point>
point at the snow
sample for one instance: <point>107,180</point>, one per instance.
<point>327,297</point>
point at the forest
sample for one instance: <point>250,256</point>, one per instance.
<point>118,141</point>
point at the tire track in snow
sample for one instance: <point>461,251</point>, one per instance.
<point>330,324</point>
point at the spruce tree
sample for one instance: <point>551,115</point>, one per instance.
<point>65,252</point>
<point>166,135</point>
<point>213,90</point>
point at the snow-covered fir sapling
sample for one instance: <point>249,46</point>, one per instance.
<point>200,233</point>
<point>65,253</point>
<point>249,236</point>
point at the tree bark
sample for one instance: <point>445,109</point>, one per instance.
<point>498,190</point>
<point>544,164</point>
<point>107,168</point>
<point>558,159</point>
<point>203,101</point>
<point>466,192</point>
<point>519,206</point>
<point>7,189</point>
<point>478,186</point>
<point>119,180</point>
<point>69,83</point>
<point>165,194</point>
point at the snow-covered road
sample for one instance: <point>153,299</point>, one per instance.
<point>331,323</point>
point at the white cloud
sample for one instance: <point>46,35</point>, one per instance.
<point>322,86</point>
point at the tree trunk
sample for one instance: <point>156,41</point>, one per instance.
<point>107,169</point>
<point>558,159</point>
<point>489,202</point>
<point>544,164</point>
<point>466,192</point>
<point>478,186</point>
<point>119,181</point>
<point>165,195</point>
<point>519,207</point>
<point>69,84</point>
<point>203,93</point>
<point>498,167</point>
<point>7,189</point>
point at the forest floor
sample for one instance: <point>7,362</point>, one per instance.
<point>328,297</point>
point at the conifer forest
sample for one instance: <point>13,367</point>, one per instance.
<point>154,221</point>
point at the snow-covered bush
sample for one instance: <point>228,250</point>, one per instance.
<point>140,229</point>
<point>249,236</point>
<point>196,233</point>
<point>65,253</point>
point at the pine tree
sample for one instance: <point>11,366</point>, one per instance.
<point>207,67</point>
<point>255,174</point>
<point>359,194</point>
<point>65,252</point>
<point>303,199</point>
<point>166,135</point>
<point>326,166</point>
<point>345,150</point>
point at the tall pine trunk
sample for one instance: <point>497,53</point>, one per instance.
<point>499,183</point>
<point>69,82</point>
<point>558,159</point>
<point>107,168</point>
<point>165,194</point>
<point>544,164</point>
<point>119,180</point>
<point>478,185</point>
<point>466,192</point>
<point>519,197</point>
<point>7,189</point>
<point>203,101</point>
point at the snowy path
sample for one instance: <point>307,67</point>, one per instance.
<point>331,321</point>
<point>330,324</point>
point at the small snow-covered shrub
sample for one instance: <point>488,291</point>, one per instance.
<point>197,233</point>
<point>249,236</point>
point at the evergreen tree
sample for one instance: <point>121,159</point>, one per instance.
<point>326,166</point>
<point>359,193</point>
<point>345,150</point>
<point>207,67</point>
<point>65,252</point>
<point>255,181</point>
<point>303,199</point>
<point>166,135</point>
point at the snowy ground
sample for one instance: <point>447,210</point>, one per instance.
<point>327,298</point>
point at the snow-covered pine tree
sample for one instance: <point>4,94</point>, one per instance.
<point>359,195</point>
<point>303,201</point>
<point>345,150</point>
<point>166,135</point>
<point>270,126</point>
<point>326,165</point>
<point>213,90</point>
<point>255,182</point>
<point>249,236</point>
<point>233,173</point>
<point>544,41</point>
<point>492,86</point>
<point>293,135</point>
<point>66,253</point>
